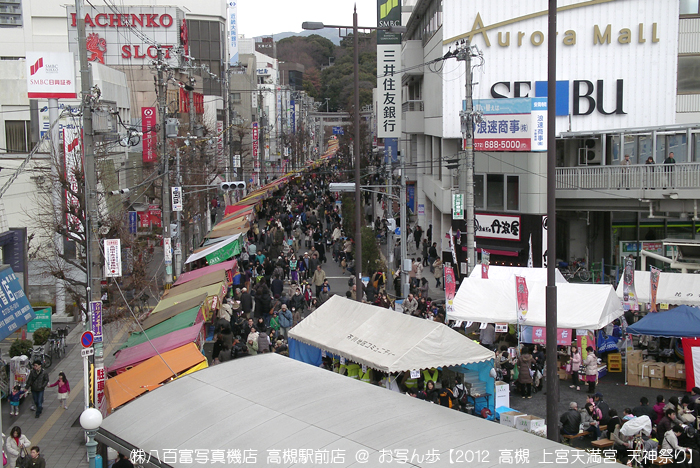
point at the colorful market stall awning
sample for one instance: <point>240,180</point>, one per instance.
<point>152,374</point>
<point>173,310</point>
<point>214,294</point>
<point>184,320</point>
<point>211,278</point>
<point>219,252</point>
<point>131,357</point>
<point>190,275</point>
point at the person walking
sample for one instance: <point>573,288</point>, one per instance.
<point>575,364</point>
<point>437,272</point>
<point>35,458</point>
<point>37,381</point>
<point>63,389</point>
<point>525,362</point>
<point>318,279</point>
<point>591,364</point>
<point>15,444</point>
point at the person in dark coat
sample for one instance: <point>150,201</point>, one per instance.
<point>570,420</point>
<point>644,409</point>
<point>246,302</point>
<point>525,362</point>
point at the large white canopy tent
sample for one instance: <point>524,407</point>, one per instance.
<point>498,272</point>
<point>581,306</point>
<point>384,339</point>
<point>674,288</point>
<point>236,405</point>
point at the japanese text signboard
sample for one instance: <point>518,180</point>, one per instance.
<point>15,310</point>
<point>389,90</point>
<point>511,124</point>
<point>113,258</point>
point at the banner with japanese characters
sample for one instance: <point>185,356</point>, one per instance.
<point>629,294</point>
<point>113,258</point>
<point>449,289</point>
<point>389,91</point>
<point>522,298</point>
<point>485,259</point>
<point>655,274</point>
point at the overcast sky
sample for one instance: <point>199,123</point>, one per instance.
<point>264,18</point>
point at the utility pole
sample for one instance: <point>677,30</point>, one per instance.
<point>403,238</point>
<point>466,162</point>
<point>165,195</point>
<point>358,158</point>
<point>93,256</point>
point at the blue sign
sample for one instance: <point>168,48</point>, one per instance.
<point>397,231</point>
<point>87,339</point>
<point>15,309</point>
<point>391,150</point>
<point>411,196</point>
<point>133,222</point>
<point>338,131</point>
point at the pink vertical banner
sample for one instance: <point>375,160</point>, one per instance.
<point>522,297</point>
<point>449,289</point>
<point>485,259</point>
<point>539,336</point>
<point>655,273</point>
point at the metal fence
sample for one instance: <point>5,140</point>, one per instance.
<point>636,177</point>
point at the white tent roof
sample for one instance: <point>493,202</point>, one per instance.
<point>582,306</point>
<point>384,339</point>
<point>267,402</point>
<point>674,288</point>
<point>212,248</point>
<point>498,272</point>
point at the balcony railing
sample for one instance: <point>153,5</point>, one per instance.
<point>412,106</point>
<point>636,177</point>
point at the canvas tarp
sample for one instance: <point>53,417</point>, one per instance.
<point>172,311</point>
<point>229,229</point>
<point>498,272</point>
<point>206,280</point>
<point>679,322</point>
<point>130,357</point>
<point>213,248</point>
<point>190,275</point>
<point>152,374</point>
<point>674,288</point>
<point>213,290</point>
<point>384,339</point>
<point>580,306</point>
<point>183,320</point>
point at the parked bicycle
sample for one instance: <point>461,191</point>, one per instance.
<point>38,354</point>
<point>575,269</point>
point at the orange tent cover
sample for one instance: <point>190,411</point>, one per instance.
<point>150,374</point>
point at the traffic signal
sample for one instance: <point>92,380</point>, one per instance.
<point>232,185</point>
<point>452,163</point>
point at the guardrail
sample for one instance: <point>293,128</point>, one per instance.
<point>636,177</point>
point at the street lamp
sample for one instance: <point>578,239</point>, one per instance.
<point>90,420</point>
<point>311,25</point>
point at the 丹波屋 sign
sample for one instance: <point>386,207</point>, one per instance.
<point>496,226</point>
<point>50,75</point>
<point>511,124</point>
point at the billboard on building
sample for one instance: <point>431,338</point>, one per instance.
<point>511,124</point>
<point>389,89</point>
<point>604,80</point>
<point>15,310</point>
<point>233,32</point>
<point>150,137</point>
<point>50,75</point>
<point>129,37</point>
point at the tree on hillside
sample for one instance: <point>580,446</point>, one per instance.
<point>312,51</point>
<point>337,81</point>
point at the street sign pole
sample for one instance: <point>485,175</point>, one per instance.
<point>86,340</point>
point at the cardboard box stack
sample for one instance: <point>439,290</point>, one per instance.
<point>510,418</point>
<point>651,373</point>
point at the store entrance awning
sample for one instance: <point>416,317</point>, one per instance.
<point>384,339</point>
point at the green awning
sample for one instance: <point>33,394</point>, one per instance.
<point>180,321</point>
<point>225,252</point>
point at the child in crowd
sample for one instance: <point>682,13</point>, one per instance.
<point>63,389</point>
<point>14,397</point>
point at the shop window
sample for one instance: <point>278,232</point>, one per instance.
<point>17,136</point>
<point>688,74</point>
<point>494,191</point>
<point>689,7</point>
<point>479,191</point>
<point>513,193</point>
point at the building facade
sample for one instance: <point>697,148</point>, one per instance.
<point>625,86</point>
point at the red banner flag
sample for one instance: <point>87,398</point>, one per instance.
<point>449,289</point>
<point>655,273</point>
<point>522,296</point>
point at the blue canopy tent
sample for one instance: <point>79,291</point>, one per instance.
<point>681,322</point>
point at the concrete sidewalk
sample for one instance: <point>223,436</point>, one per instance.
<point>57,431</point>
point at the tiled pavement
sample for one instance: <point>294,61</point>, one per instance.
<point>57,431</point>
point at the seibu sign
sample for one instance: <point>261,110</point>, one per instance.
<point>112,40</point>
